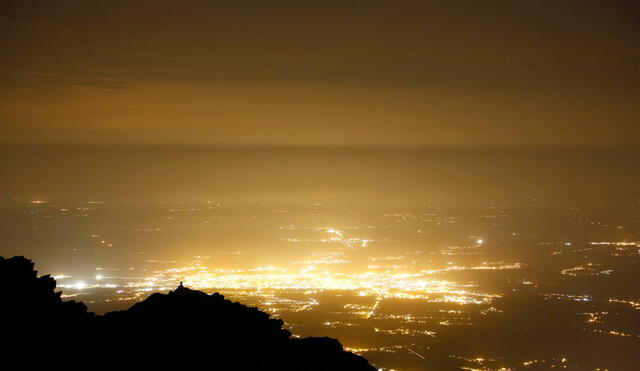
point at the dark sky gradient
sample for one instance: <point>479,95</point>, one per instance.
<point>322,73</point>
<point>407,141</point>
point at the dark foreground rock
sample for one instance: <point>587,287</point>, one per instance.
<point>185,329</point>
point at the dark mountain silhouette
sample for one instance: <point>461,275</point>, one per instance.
<point>184,328</point>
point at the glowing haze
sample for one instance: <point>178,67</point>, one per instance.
<point>440,185</point>
<point>308,73</point>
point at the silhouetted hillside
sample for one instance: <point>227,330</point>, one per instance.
<point>184,328</point>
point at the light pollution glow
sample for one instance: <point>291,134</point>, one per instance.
<point>378,284</point>
<point>350,283</point>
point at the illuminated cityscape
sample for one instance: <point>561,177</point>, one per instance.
<point>428,185</point>
<point>452,273</point>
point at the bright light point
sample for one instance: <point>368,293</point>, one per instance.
<point>98,277</point>
<point>79,285</point>
<point>480,241</point>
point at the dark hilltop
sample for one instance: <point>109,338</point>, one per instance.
<point>184,328</point>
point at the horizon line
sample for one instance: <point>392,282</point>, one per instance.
<point>318,147</point>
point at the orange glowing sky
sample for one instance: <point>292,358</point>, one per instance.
<point>323,73</point>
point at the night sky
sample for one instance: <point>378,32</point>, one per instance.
<point>320,73</point>
<point>437,184</point>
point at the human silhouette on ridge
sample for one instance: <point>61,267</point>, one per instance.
<point>212,330</point>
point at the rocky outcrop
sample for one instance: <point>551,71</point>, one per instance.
<point>185,328</point>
